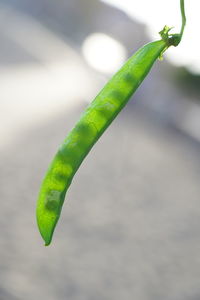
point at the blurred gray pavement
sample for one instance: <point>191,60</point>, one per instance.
<point>129,227</point>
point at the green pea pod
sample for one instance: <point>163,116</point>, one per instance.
<point>93,122</point>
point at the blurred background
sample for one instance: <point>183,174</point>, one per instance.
<point>130,225</point>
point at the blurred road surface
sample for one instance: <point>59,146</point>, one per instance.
<point>130,225</point>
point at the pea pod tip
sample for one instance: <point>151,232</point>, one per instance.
<point>47,244</point>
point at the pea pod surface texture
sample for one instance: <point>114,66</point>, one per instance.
<point>93,122</point>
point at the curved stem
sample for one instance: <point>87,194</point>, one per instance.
<point>174,38</point>
<point>182,5</point>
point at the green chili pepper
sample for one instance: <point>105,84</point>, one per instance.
<point>93,122</point>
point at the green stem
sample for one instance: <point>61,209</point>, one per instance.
<point>182,4</point>
<point>174,39</point>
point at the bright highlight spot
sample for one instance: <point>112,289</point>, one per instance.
<point>156,13</point>
<point>103,52</point>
